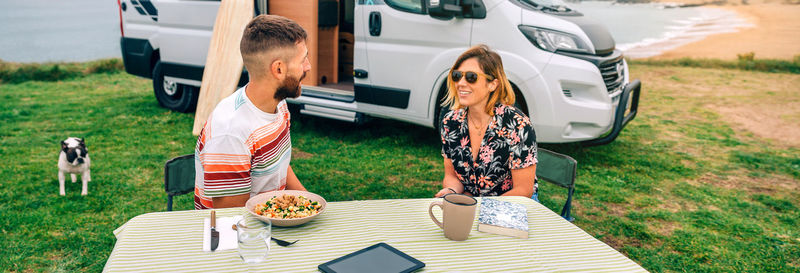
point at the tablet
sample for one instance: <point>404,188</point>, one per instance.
<point>379,257</point>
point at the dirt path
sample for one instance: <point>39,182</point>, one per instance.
<point>766,105</point>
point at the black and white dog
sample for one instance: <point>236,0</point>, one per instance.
<point>74,159</point>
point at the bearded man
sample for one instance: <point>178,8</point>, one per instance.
<point>245,147</point>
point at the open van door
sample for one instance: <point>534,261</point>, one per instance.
<point>402,46</point>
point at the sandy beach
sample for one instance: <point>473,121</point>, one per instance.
<point>775,33</point>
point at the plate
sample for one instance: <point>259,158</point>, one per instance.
<point>262,198</point>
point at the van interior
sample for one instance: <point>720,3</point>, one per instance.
<point>334,41</point>
<point>344,80</point>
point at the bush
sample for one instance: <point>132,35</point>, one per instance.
<point>106,66</point>
<point>17,73</point>
<point>749,56</point>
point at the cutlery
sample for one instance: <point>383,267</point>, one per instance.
<point>214,232</point>
<point>282,242</point>
<point>277,241</point>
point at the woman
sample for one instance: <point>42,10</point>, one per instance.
<point>489,146</point>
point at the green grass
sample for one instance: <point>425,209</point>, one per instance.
<point>746,62</point>
<point>682,189</point>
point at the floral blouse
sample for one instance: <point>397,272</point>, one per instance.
<point>508,143</point>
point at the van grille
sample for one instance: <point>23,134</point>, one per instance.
<point>613,74</point>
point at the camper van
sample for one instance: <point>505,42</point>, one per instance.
<point>390,58</point>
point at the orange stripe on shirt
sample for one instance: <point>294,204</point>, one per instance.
<point>269,138</point>
<point>226,168</point>
<point>225,160</point>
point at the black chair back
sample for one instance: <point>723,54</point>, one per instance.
<point>560,170</point>
<point>179,177</point>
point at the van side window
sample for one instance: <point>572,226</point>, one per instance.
<point>414,6</point>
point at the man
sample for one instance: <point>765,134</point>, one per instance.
<point>245,146</point>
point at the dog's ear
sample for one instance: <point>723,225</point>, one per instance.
<point>83,146</point>
<point>63,145</point>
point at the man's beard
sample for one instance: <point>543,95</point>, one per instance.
<point>289,88</point>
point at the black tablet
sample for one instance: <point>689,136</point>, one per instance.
<point>379,257</point>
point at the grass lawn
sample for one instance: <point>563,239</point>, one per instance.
<point>688,186</point>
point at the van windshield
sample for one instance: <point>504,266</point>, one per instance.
<point>547,5</point>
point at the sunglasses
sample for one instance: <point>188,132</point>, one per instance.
<point>470,76</point>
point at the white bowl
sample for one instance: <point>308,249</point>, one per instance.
<point>262,198</point>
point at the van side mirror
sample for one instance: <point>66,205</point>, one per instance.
<point>444,9</point>
<point>447,9</point>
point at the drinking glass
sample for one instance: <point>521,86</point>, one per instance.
<point>253,236</point>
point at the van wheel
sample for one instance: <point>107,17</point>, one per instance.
<point>440,111</point>
<point>519,102</point>
<point>172,95</point>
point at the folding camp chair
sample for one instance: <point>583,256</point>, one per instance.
<point>561,170</point>
<point>178,177</point>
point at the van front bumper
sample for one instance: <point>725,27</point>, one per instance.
<point>628,102</point>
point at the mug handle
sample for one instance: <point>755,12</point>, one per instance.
<point>430,212</point>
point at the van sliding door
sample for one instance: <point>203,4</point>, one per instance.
<point>402,43</point>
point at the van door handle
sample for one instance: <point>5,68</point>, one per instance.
<point>375,23</point>
<point>360,73</point>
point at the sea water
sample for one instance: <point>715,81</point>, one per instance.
<point>83,30</point>
<point>648,29</point>
<point>58,30</point>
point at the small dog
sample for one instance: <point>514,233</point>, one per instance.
<point>74,159</point>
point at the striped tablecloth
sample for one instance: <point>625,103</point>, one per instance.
<point>172,241</point>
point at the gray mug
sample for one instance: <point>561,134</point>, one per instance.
<point>458,211</point>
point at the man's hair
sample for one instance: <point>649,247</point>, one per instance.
<point>492,65</point>
<point>267,38</point>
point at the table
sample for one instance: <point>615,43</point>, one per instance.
<point>172,241</point>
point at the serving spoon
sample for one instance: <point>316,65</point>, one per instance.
<point>277,241</point>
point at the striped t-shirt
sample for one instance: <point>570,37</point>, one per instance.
<point>241,149</point>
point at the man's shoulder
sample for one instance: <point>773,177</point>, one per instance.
<point>229,112</point>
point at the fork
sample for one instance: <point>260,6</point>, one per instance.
<point>277,241</point>
<point>282,242</point>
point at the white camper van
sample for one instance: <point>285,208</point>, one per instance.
<point>390,58</point>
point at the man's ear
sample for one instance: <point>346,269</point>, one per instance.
<point>278,69</point>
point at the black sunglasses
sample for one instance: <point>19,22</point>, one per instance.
<point>470,76</point>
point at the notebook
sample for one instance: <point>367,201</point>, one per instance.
<point>504,218</point>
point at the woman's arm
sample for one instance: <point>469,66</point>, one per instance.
<point>523,181</point>
<point>450,183</point>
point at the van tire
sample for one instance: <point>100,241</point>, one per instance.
<point>173,96</point>
<point>440,111</point>
<point>519,101</point>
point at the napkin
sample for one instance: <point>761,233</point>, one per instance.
<point>227,236</point>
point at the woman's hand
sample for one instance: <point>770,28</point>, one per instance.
<point>450,183</point>
<point>444,191</point>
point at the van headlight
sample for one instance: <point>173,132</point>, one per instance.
<point>551,40</point>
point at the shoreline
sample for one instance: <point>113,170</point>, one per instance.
<point>774,33</point>
<point>706,22</point>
